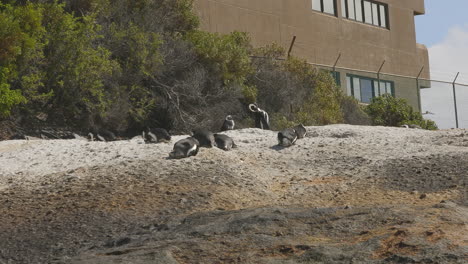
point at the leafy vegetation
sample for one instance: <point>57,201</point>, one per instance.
<point>387,110</point>
<point>123,65</point>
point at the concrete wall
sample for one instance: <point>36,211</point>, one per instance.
<point>321,37</point>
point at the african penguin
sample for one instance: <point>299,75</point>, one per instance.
<point>262,120</point>
<point>300,131</point>
<point>155,135</point>
<point>287,137</point>
<point>224,142</point>
<point>228,123</point>
<point>185,148</point>
<point>204,137</point>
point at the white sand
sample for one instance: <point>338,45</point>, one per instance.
<point>35,158</point>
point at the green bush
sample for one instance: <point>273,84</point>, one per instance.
<point>387,110</point>
<point>353,112</point>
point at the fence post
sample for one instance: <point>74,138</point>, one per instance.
<point>334,66</point>
<point>378,77</point>
<point>455,100</point>
<point>291,46</point>
<point>418,89</point>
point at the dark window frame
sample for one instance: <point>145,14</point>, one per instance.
<point>363,13</point>
<point>392,85</point>
<point>322,8</point>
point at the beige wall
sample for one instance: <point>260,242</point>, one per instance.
<point>321,37</point>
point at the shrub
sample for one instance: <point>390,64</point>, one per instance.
<point>353,113</point>
<point>387,110</point>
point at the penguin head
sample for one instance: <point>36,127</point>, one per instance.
<point>253,107</point>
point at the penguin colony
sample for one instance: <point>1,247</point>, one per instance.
<point>202,138</point>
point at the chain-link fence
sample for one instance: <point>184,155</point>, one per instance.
<point>444,102</point>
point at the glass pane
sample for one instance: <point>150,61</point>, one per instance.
<point>357,88</point>
<point>383,88</point>
<point>367,12</point>
<point>375,14</point>
<point>366,90</point>
<point>316,5</point>
<point>376,88</point>
<point>389,88</point>
<point>329,7</point>
<point>343,8</point>
<point>383,17</point>
<point>348,86</point>
<point>351,9</point>
<point>358,10</point>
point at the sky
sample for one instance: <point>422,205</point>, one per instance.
<point>444,30</point>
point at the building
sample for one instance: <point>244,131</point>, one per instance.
<point>365,35</point>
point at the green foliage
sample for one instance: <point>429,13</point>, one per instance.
<point>272,51</point>
<point>77,66</point>
<point>353,112</point>
<point>323,107</point>
<point>124,63</point>
<point>280,122</point>
<point>227,53</point>
<point>8,99</point>
<point>387,110</point>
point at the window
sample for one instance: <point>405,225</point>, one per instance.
<point>364,88</point>
<point>369,12</point>
<point>324,6</point>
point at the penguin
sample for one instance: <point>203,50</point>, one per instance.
<point>228,123</point>
<point>149,136</point>
<point>185,148</point>
<point>156,135</point>
<point>101,135</point>
<point>262,119</point>
<point>224,142</point>
<point>204,137</point>
<point>301,131</point>
<point>287,137</point>
<point>415,126</point>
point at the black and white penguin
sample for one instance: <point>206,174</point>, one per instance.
<point>287,137</point>
<point>101,135</point>
<point>224,142</point>
<point>204,137</point>
<point>156,135</point>
<point>300,131</point>
<point>411,126</point>
<point>262,120</point>
<point>228,123</point>
<point>185,148</point>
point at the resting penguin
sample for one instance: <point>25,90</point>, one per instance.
<point>156,135</point>
<point>287,137</point>
<point>101,135</point>
<point>228,123</point>
<point>300,131</point>
<point>204,137</point>
<point>185,148</point>
<point>224,142</point>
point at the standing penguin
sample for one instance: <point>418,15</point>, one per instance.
<point>228,123</point>
<point>262,120</point>
<point>185,148</point>
<point>287,137</point>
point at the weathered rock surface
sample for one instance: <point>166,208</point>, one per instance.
<point>344,194</point>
